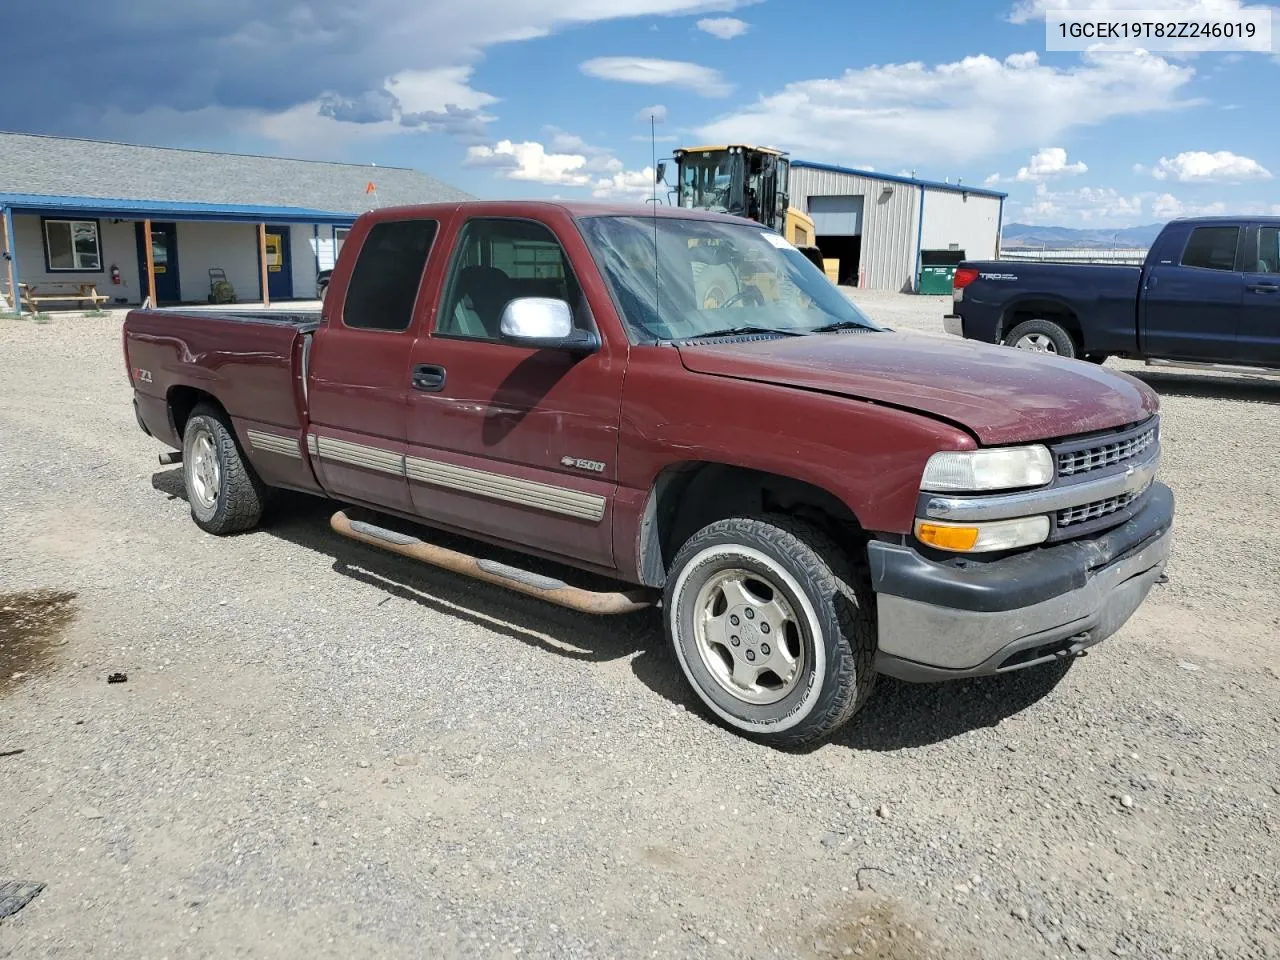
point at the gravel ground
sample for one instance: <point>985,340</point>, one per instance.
<point>325,751</point>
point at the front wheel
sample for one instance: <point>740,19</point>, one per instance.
<point>1042,336</point>
<point>773,628</point>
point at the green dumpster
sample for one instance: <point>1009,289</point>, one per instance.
<point>937,270</point>
<point>935,280</point>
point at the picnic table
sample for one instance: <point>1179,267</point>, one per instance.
<point>32,296</point>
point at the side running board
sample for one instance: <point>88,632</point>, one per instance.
<point>522,581</point>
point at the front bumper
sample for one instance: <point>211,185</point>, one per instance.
<point>940,621</point>
<point>953,325</point>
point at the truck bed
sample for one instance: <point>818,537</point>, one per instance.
<point>251,361</point>
<point>1103,295</point>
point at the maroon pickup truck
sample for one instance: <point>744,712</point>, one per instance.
<point>682,411</point>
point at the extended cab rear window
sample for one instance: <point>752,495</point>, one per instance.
<point>1213,248</point>
<point>384,282</point>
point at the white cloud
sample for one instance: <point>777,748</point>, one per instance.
<point>1025,11</point>
<point>635,185</point>
<point>531,161</point>
<point>657,111</point>
<point>992,180</point>
<point>400,62</point>
<point>1048,163</point>
<point>437,89</point>
<point>1199,166</point>
<point>660,138</point>
<point>598,159</point>
<point>1095,206</point>
<point>726,28</point>
<point>964,110</point>
<point>1166,206</point>
<point>654,72</point>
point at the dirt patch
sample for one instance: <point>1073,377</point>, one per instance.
<point>876,929</point>
<point>31,626</point>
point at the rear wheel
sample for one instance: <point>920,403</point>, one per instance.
<point>773,628</point>
<point>225,494</point>
<point>1042,336</point>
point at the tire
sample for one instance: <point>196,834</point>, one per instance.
<point>1042,336</point>
<point>741,565</point>
<point>225,494</point>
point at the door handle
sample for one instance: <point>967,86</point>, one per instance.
<point>428,377</point>
<point>1263,287</point>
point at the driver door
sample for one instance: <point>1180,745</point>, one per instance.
<point>510,443</point>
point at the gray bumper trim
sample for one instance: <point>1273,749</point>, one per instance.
<point>922,641</point>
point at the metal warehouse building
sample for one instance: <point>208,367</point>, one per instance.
<point>884,230</point>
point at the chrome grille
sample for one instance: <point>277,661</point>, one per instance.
<point>1099,508</point>
<point>1104,454</point>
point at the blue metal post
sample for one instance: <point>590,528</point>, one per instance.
<point>315,249</point>
<point>11,255</point>
<point>919,243</point>
<point>999,227</point>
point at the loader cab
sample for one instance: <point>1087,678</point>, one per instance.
<point>742,181</point>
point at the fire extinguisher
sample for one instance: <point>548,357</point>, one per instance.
<point>115,275</point>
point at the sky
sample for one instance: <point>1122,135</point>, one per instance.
<point>543,98</point>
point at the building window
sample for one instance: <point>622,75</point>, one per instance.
<point>339,235</point>
<point>72,245</point>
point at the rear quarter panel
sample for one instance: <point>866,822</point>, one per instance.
<point>1102,297</point>
<point>251,369</point>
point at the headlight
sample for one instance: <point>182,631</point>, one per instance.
<point>1000,468</point>
<point>982,537</point>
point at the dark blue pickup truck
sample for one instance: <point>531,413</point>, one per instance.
<point>1208,293</point>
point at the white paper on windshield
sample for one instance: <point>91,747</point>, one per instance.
<point>777,240</point>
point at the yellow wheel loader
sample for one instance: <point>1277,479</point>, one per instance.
<point>744,181</point>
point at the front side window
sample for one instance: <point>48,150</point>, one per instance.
<point>384,282</point>
<point>675,279</point>
<point>72,245</point>
<point>498,261</point>
<point>1212,248</point>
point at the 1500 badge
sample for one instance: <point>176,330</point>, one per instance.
<point>595,466</point>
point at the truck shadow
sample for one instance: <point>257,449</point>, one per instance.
<point>1247,389</point>
<point>898,716</point>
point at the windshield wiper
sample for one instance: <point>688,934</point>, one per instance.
<point>841,325</point>
<point>742,331</point>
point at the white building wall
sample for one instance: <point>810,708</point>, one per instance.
<point>973,222</point>
<point>889,222</point>
<point>231,246</point>
<point>303,259</point>
<point>118,246</point>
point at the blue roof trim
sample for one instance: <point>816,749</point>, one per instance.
<point>169,209</point>
<point>915,182</point>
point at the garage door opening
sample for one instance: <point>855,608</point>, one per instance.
<point>848,250</point>
<point>837,221</point>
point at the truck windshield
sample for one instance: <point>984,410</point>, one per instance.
<point>676,279</point>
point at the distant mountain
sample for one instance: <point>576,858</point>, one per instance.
<point>1068,238</point>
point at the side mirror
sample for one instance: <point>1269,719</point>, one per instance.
<point>661,175</point>
<point>546,324</point>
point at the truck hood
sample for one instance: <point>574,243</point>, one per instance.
<point>999,394</point>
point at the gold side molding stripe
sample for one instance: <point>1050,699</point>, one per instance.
<point>497,486</point>
<point>358,455</point>
<point>274,443</point>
